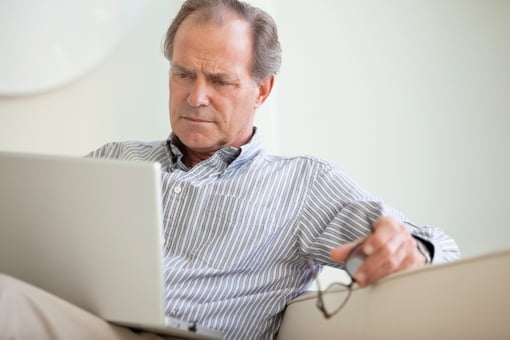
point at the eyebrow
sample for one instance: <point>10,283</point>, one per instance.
<point>218,75</point>
<point>180,68</point>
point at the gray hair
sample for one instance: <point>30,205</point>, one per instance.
<point>266,47</point>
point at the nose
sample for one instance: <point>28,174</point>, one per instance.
<point>199,93</point>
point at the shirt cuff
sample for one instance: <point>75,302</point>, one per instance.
<point>425,248</point>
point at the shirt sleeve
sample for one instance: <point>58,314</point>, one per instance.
<point>111,150</point>
<point>440,246</point>
<point>337,210</point>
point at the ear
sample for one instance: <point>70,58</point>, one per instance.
<point>264,89</point>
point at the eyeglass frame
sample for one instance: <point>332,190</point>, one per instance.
<point>320,293</point>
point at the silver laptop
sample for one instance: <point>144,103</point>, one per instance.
<point>89,231</point>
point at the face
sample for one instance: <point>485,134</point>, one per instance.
<point>213,97</point>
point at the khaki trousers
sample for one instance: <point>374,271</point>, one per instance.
<point>27,312</point>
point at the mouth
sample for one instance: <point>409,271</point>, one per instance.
<point>196,120</point>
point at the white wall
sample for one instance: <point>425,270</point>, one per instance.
<point>123,97</point>
<point>408,96</point>
<point>411,98</point>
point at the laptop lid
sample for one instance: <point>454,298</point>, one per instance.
<point>90,232</point>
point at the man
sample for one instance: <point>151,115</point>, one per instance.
<point>240,225</point>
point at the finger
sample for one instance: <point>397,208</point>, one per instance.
<point>406,256</point>
<point>387,242</point>
<point>407,248</point>
<point>385,228</point>
<point>387,260</point>
<point>340,254</point>
<point>385,250</point>
<point>381,262</point>
<point>414,257</point>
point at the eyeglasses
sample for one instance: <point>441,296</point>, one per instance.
<point>330,304</point>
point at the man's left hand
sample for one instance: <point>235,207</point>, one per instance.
<point>389,249</point>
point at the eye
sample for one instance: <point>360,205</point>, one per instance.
<point>181,75</point>
<point>221,82</point>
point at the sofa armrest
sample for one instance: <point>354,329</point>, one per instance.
<point>465,299</point>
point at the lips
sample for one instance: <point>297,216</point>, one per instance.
<point>196,120</point>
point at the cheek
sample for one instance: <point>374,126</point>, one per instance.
<point>175,97</point>
<point>173,105</point>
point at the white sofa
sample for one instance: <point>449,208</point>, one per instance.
<point>466,299</point>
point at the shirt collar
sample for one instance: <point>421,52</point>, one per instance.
<point>230,156</point>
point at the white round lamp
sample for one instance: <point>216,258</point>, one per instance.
<point>47,43</point>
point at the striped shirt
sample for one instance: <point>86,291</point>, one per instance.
<point>239,226</point>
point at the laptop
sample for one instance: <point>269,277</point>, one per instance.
<point>90,232</point>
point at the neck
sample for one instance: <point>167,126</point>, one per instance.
<point>191,158</point>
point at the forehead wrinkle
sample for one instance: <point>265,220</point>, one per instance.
<point>214,75</point>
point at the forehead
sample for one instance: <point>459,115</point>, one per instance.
<point>223,43</point>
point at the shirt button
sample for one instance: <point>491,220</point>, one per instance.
<point>177,189</point>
